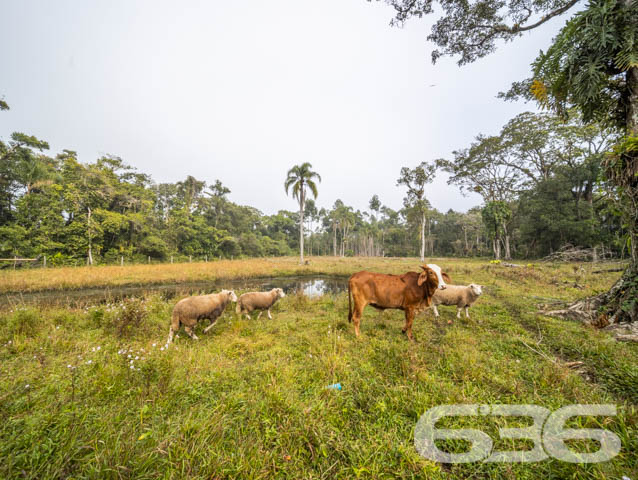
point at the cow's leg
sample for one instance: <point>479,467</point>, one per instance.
<point>409,318</point>
<point>189,331</point>
<point>269,315</point>
<point>356,316</point>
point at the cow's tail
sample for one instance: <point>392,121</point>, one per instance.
<point>349,304</point>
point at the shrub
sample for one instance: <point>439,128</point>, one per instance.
<point>129,319</point>
<point>24,322</point>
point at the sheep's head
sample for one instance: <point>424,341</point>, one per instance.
<point>231,295</point>
<point>280,292</point>
<point>476,289</point>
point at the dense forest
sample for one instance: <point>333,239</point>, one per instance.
<point>539,178</point>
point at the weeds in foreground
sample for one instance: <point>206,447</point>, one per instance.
<point>249,400</point>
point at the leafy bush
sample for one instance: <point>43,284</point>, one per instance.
<point>23,322</point>
<point>129,319</point>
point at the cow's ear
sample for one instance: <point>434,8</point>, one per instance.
<point>446,277</point>
<point>423,277</point>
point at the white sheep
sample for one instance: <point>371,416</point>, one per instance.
<point>189,310</point>
<point>258,301</point>
<point>460,295</point>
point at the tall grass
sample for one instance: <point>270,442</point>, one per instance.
<point>30,280</point>
<point>93,393</point>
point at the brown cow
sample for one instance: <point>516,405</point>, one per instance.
<point>410,292</point>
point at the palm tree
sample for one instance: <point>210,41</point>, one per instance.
<point>300,178</point>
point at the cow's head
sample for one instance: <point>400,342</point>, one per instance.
<point>430,281</point>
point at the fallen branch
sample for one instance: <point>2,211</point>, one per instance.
<point>627,338</point>
<point>539,352</point>
<point>609,270</point>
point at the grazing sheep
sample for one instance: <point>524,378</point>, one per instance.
<point>460,295</point>
<point>258,301</point>
<point>191,309</point>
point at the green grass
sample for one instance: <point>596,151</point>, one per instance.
<point>249,399</point>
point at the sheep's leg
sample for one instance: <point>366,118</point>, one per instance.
<point>209,327</point>
<point>269,315</point>
<point>259,314</point>
<point>458,312</point>
<point>189,331</point>
<point>467,312</point>
<point>171,335</point>
<point>436,311</point>
<point>248,316</point>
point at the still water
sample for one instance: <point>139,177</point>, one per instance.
<point>311,286</point>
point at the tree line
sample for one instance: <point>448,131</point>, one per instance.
<point>540,180</point>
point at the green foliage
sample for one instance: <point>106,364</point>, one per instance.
<point>585,65</point>
<point>495,215</point>
<point>129,319</point>
<point>248,400</point>
<point>23,321</point>
<point>472,29</point>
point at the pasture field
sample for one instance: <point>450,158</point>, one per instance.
<point>30,280</point>
<point>92,393</point>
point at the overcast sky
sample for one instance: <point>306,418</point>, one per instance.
<point>241,91</point>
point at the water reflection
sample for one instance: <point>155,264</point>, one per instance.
<point>311,286</point>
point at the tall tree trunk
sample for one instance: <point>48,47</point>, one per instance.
<point>301,205</point>
<point>90,234</point>
<point>506,243</point>
<point>631,165</point>
<point>334,239</point>
<point>508,254</point>
<point>423,237</point>
<point>465,235</point>
<point>496,247</point>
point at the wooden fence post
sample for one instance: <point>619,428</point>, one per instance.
<point>45,261</point>
<point>190,258</point>
<point>149,259</point>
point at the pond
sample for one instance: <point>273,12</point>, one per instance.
<point>311,286</point>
